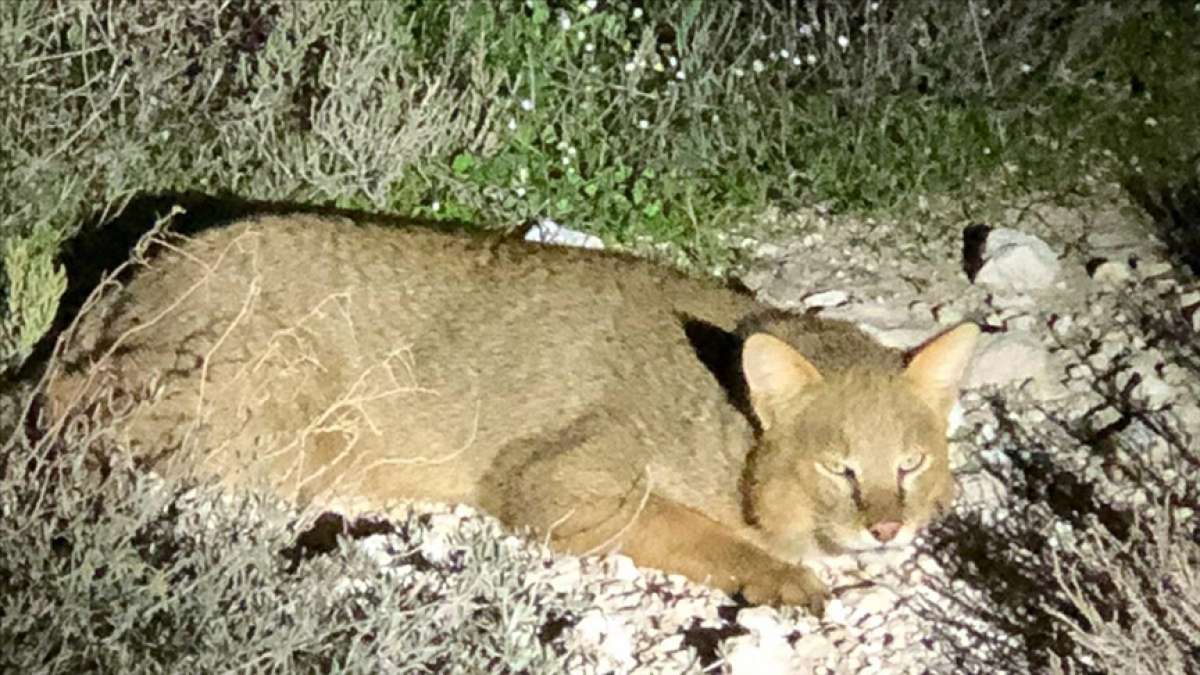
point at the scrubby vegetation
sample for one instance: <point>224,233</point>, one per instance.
<point>1092,563</point>
<point>667,121</point>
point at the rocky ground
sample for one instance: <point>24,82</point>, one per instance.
<point>1053,287</point>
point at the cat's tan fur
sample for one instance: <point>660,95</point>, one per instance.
<point>600,400</point>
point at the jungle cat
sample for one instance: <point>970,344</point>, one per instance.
<point>597,400</point>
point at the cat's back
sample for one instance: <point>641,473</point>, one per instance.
<point>322,335</point>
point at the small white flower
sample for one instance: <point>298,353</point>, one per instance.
<point>572,151</point>
<point>716,118</point>
<point>873,7</point>
<point>643,124</point>
<point>672,61</point>
<point>566,161</point>
<point>843,41</point>
<point>564,22</point>
<point>796,60</point>
<point>806,30</point>
<point>773,56</point>
<point>811,59</point>
<point>526,104</point>
<point>580,34</point>
<point>520,191</point>
<point>985,12</point>
<point>512,124</point>
<point>658,66</point>
<point>1026,68</point>
<point>589,47</point>
<point>987,150</point>
<point>436,206</point>
<point>738,72</point>
<point>1151,122</point>
<point>783,53</point>
<point>590,5</point>
<point>758,66</point>
<point>679,75</point>
<point>630,66</point>
<point>637,13</point>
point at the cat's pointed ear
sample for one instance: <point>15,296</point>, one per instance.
<point>774,372</point>
<point>937,367</point>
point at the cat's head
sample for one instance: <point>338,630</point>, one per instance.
<point>851,460</point>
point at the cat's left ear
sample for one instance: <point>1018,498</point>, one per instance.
<point>936,368</point>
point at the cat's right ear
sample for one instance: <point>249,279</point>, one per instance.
<point>774,372</point>
<point>937,368</point>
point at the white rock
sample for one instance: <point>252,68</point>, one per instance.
<point>815,647</point>
<point>1048,390</point>
<point>825,299</point>
<point>1021,322</point>
<point>1099,362</point>
<point>607,634</point>
<point>1156,269</point>
<point>1062,324</point>
<point>836,611</point>
<point>1011,301</point>
<point>749,655</point>
<point>1112,272</point>
<point>1104,417</point>
<point>566,575</point>
<point>1007,358</point>
<point>761,620</point>
<point>1153,392</point>
<point>1017,261</point>
<point>547,231</point>
<point>947,315</point>
<point>1165,286</point>
<point>1115,240</point>
<point>622,567</point>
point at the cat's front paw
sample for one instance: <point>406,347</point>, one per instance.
<point>785,584</point>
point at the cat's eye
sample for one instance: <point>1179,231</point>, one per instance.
<point>912,462</point>
<point>838,470</point>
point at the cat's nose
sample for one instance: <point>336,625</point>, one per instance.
<point>885,531</point>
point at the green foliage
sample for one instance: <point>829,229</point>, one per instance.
<point>33,284</point>
<point>674,120</point>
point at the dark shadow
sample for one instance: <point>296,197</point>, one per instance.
<point>974,241</point>
<point>1175,210</point>
<point>721,353</point>
<point>321,538</point>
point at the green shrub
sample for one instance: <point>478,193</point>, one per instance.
<point>32,286</point>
